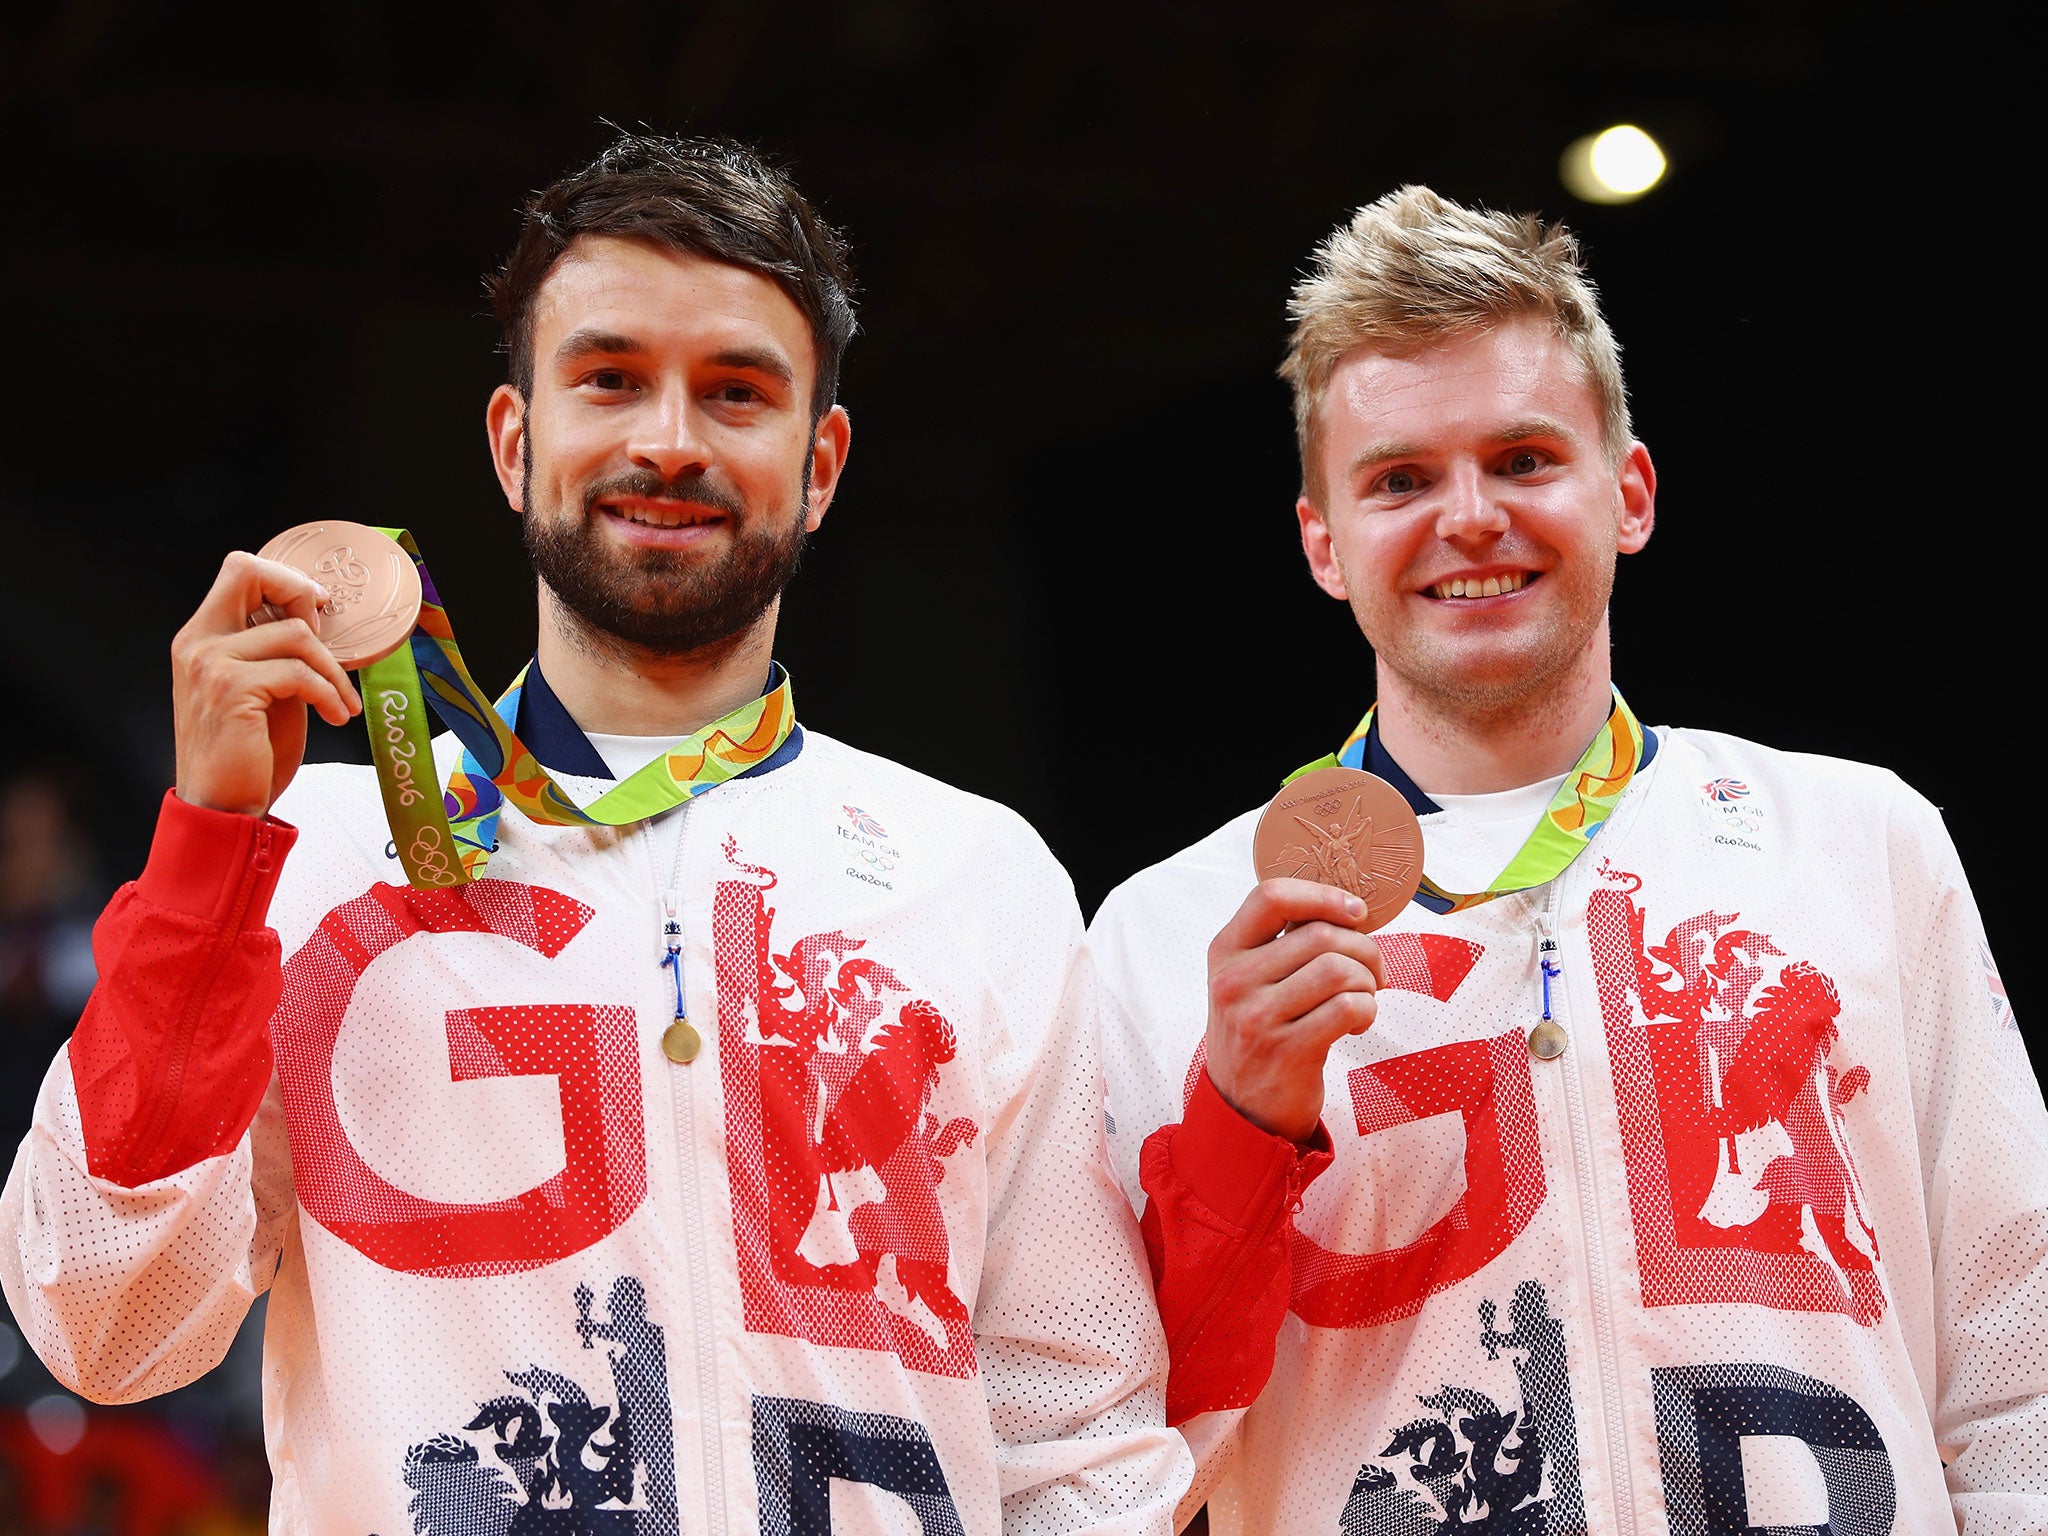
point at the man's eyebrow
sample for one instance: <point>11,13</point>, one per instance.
<point>1535,426</point>
<point>1379,453</point>
<point>587,343</point>
<point>756,360</point>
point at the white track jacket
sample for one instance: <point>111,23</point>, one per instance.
<point>1766,1247</point>
<point>862,1264</point>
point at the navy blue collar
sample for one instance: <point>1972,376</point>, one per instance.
<point>551,732</point>
<point>552,735</point>
<point>1378,760</point>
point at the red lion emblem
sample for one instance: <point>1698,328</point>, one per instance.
<point>1732,1115</point>
<point>815,1090</point>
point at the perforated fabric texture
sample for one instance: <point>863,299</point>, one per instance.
<point>864,1251</point>
<point>1793,1144</point>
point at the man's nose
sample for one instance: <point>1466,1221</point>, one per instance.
<point>668,435</point>
<point>1470,509</point>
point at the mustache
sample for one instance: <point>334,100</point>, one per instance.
<point>695,486</point>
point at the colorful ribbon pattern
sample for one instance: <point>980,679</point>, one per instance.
<point>448,838</point>
<point>1583,802</point>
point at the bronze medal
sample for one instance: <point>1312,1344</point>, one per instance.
<point>1347,828</point>
<point>373,587</point>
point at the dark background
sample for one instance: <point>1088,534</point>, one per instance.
<point>241,290</point>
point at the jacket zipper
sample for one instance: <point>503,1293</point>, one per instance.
<point>704,1344</point>
<point>1255,1241</point>
<point>1595,1239</point>
<point>145,1146</point>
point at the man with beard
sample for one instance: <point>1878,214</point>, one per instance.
<point>1670,1161</point>
<point>735,1167</point>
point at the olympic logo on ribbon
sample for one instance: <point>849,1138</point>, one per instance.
<point>429,860</point>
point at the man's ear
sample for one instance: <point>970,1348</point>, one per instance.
<point>829,447</point>
<point>505,425</point>
<point>1322,555</point>
<point>1638,500</point>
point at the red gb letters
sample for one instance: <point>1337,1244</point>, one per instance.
<point>1486,1082</point>
<point>589,1048</point>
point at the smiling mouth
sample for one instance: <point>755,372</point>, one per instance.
<point>1482,586</point>
<point>671,514</point>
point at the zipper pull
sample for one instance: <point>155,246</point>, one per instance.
<point>1297,1189</point>
<point>1546,960</point>
<point>680,1042</point>
<point>1546,955</point>
<point>1547,1039</point>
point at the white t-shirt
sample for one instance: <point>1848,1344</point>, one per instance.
<point>1477,835</point>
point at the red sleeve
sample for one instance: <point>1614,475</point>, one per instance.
<point>170,1059</point>
<point>1218,1222</point>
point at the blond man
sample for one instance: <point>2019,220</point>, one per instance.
<point>1672,1162</point>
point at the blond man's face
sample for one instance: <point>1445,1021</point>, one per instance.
<point>1469,513</point>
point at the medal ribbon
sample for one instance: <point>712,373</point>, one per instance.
<point>1582,804</point>
<point>447,839</point>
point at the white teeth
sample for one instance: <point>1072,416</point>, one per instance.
<point>650,517</point>
<point>1492,586</point>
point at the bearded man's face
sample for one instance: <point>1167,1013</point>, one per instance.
<point>665,453</point>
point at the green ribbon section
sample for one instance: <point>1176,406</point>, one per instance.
<point>401,740</point>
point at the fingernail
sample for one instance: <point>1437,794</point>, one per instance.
<point>1353,907</point>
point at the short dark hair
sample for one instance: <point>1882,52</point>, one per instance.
<point>715,198</point>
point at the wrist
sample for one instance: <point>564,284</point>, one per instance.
<point>226,806</point>
<point>1234,1166</point>
<point>209,863</point>
<point>1289,1123</point>
<point>1289,1128</point>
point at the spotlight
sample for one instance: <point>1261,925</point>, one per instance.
<point>1617,165</point>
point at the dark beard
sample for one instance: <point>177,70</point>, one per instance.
<point>658,602</point>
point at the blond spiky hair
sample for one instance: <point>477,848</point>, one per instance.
<point>1415,269</point>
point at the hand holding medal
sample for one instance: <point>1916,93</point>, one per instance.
<point>240,692</point>
<point>1338,853</point>
<point>279,632</point>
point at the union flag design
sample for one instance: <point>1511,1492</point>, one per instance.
<point>863,822</point>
